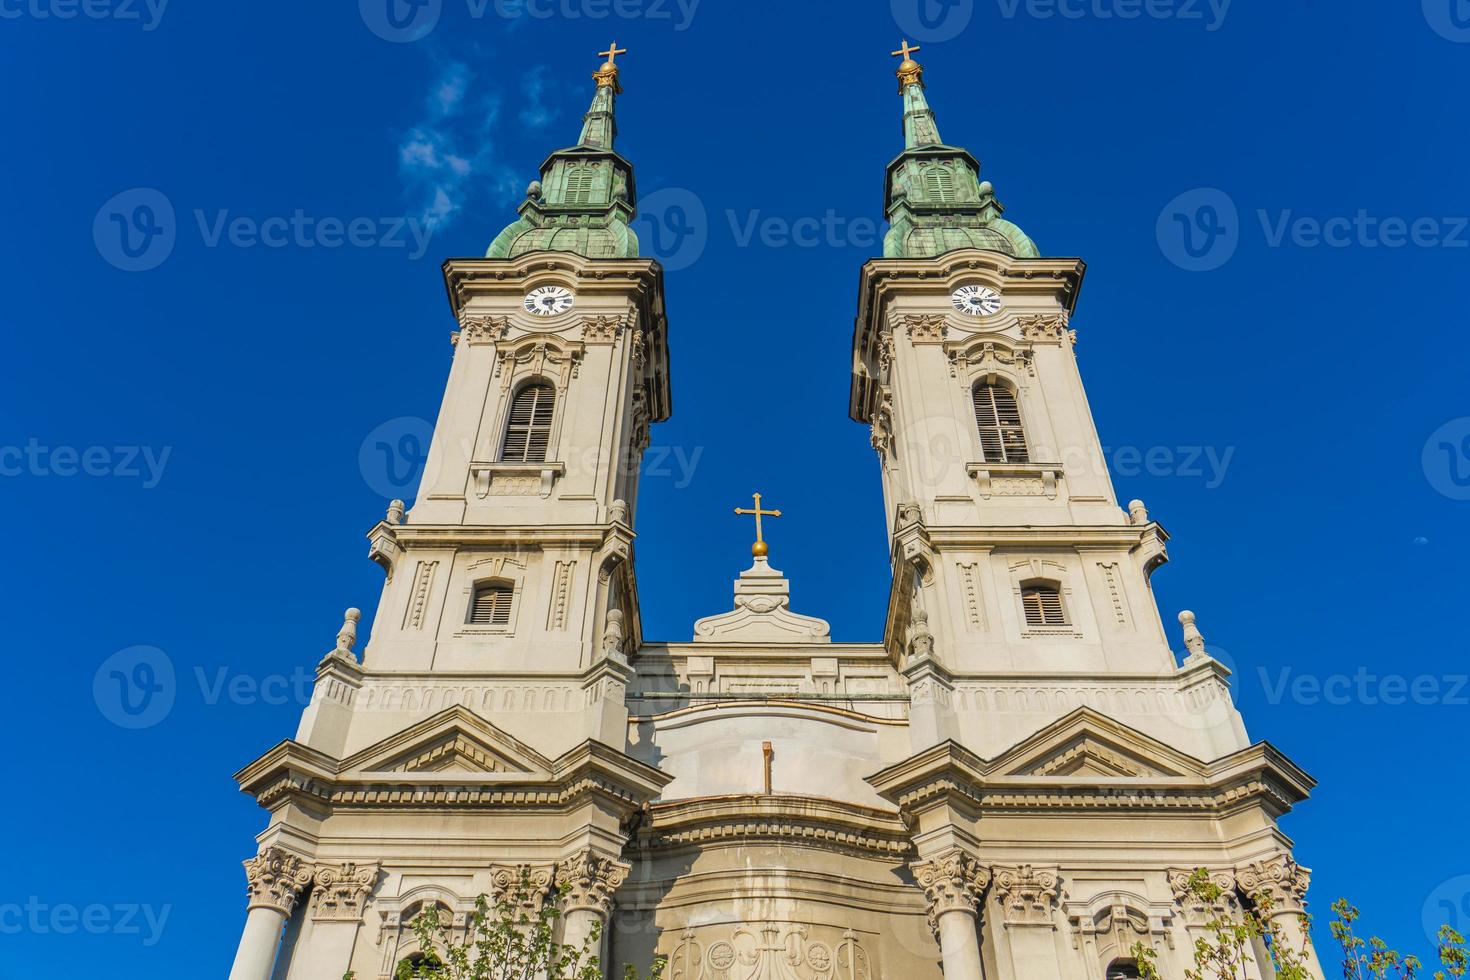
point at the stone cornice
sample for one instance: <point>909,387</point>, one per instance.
<point>798,821</point>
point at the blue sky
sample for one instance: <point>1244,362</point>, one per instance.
<point>1270,198</point>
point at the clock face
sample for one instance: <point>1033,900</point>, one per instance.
<point>548,300</point>
<point>976,300</point>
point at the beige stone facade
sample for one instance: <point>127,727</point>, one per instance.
<point>1013,784</point>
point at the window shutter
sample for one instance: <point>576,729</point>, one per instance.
<point>939,184</point>
<point>1002,438</point>
<point>492,605</point>
<point>1043,605</point>
<point>579,185</point>
<point>528,431</point>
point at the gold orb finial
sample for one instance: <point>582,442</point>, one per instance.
<point>760,549</point>
<point>608,74</point>
<point>909,70</point>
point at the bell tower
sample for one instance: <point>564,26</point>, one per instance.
<point>1009,548</point>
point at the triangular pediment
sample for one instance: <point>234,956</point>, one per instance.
<point>1087,743</point>
<point>454,740</point>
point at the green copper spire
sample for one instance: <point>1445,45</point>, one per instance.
<point>936,201</point>
<point>585,198</point>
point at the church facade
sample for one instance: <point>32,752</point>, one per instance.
<point>1013,784</point>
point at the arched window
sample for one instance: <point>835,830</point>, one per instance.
<point>491,604</point>
<point>1043,604</point>
<point>1001,437</point>
<point>528,432</point>
<point>419,965</point>
<point>939,184</point>
<point>1121,970</point>
<point>579,185</point>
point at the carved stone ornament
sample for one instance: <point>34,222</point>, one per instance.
<point>1043,326</point>
<point>1027,895</point>
<point>762,613</point>
<point>952,882</point>
<point>482,329</point>
<point>1279,882</point>
<point>340,891</point>
<point>925,328</point>
<point>601,329</point>
<point>591,881</point>
<point>984,357</point>
<point>882,437</point>
<point>274,879</point>
<point>529,884</point>
<point>1195,909</point>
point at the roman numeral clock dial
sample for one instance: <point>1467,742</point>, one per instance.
<point>548,300</point>
<point>976,300</point>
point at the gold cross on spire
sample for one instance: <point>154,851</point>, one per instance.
<point>909,70</point>
<point>906,51</point>
<point>607,75</point>
<point>759,549</point>
<point>612,52</point>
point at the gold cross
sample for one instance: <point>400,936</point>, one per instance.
<point>758,549</point>
<point>612,52</point>
<point>905,51</point>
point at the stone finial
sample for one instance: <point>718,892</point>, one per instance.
<point>617,512</point>
<point>1137,512</point>
<point>347,635</point>
<point>395,512</point>
<point>612,635</point>
<point>921,639</point>
<point>1194,641</point>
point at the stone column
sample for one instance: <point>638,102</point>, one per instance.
<point>1027,897</point>
<point>1199,913</point>
<point>954,884</point>
<point>275,879</point>
<point>1278,887</point>
<point>338,895</point>
<point>591,881</point>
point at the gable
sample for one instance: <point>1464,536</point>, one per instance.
<point>1087,743</point>
<point>454,740</point>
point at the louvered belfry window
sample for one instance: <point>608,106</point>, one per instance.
<point>579,185</point>
<point>491,605</point>
<point>1001,436</point>
<point>939,184</point>
<point>1043,604</point>
<point>528,433</point>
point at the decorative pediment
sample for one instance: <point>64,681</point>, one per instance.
<point>455,740</point>
<point>1086,743</point>
<point>762,613</point>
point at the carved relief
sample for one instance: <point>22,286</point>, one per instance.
<point>275,878</point>
<point>1279,882</point>
<point>601,329</point>
<point>482,329</point>
<point>974,607</point>
<point>340,891</point>
<point>1196,910</point>
<point>882,437</point>
<point>952,882</point>
<point>925,328</point>
<point>591,881</point>
<point>418,602</point>
<point>769,951</point>
<point>982,358</point>
<point>533,880</point>
<point>560,595</point>
<point>1043,326</point>
<point>1115,590</point>
<point>1027,895</point>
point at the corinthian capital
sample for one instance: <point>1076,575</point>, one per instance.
<point>1199,909</point>
<point>590,881</point>
<point>1027,895</point>
<point>952,882</point>
<point>1278,883</point>
<point>526,885</point>
<point>275,878</point>
<point>339,890</point>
